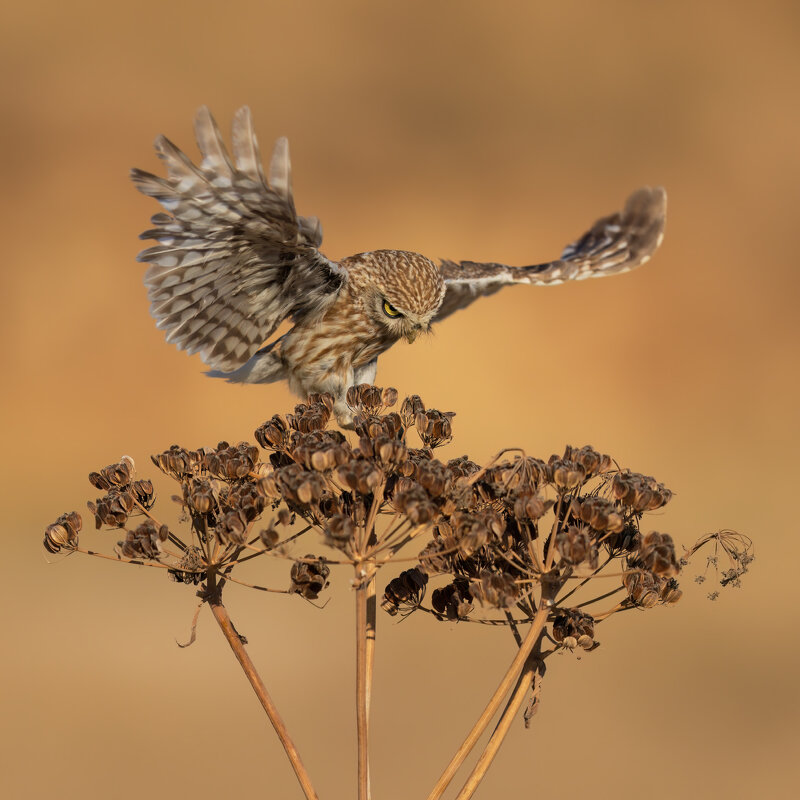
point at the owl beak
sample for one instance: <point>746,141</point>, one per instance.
<point>413,333</point>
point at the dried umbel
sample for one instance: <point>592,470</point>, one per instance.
<point>502,536</point>
<point>522,544</point>
<point>405,593</point>
<point>309,577</point>
<point>63,533</point>
<point>573,628</point>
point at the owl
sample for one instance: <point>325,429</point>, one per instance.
<point>234,260</point>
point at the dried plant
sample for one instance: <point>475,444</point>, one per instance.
<point>547,550</point>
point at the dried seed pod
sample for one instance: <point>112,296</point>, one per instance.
<point>533,471</point>
<point>599,513</point>
<point>592,462</point>
<point>178,463</point>
<point>143,542</point>
<point>495,588</point>
<point>473,531</point>
<point>454,601</point>
<point>573,628</point>
<point>434,427</point>
<point>405,593</point>
<point>269,537</point>
<point>389,397</point>
<point>310,577</point>
<point>113,509</point>
<point>231,528</point>
<point>462,467</point>
<point>360,476</point>
<point>63,533</point>
<point>415,503</point>
<point>144,493</point>
<point>576,544</point>
<point>657,554</point>
<point>323,460</point>
<point>528,504</point>
<point>117,475</point>
<point>566,474</point>
<point>313,416</point>
<point>642,587</point>
<point>392,425</point>
<point>410,408</point>
<point>246,498</point>
<point>324,399</point>
<point>268,487</point>
<point>340,529</point>
<point>433,476</point>
<point>232,463</point>
<point>273,434</point>
<point>640,492</point>
<point>625,541</point>
<point>199,495</point>
<point>295,485</point>
<point>669,592</point>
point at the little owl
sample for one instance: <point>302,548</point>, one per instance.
<point>234,260</point>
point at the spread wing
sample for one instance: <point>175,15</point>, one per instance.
<point>617,243</point>
<point>233,257</point>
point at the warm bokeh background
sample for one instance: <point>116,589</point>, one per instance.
<point>467,129</point>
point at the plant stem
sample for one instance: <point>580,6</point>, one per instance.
<point>372,617</point>
<point>363,677</point>
<point>234,640</point>
<point>504,724</point>
<point>511,676</point>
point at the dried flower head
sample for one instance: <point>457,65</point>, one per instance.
<point>309,577</point>
<point>573,628</point>
<point>498,543</point>
<point>522,544</point>
<point>405,593</point>
<point>63,533</point>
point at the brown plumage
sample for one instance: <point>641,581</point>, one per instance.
<point>234,260</point>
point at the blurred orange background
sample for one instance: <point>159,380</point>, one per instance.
<point>475,130</point>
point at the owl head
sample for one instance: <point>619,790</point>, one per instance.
<point>402,291</point>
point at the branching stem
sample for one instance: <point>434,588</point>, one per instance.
<point>504,724</point>
<point>365,644</point>
<point>235,641</point>
<point>511,676</point>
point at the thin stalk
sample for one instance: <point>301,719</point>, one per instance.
<point>372,618</point>
<point>511,676</point>
<point>504,724</point>
<point>234,640</point>
<point>363,674</point>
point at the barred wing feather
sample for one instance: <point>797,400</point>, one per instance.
<point>616,243</point>
<point>233,258</point>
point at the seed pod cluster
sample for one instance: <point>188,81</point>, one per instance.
<point>145,541</point>
<point>573,628</point>
<point>640,492</point>
<point>63,533</point>
<point>309,577</point>
<point>454,601</point>
<point>500,537</point>
<point>405,593</point>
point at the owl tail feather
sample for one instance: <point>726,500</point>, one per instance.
<point>266,366</point>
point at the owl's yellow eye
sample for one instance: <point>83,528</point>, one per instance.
<point>390,310</point>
